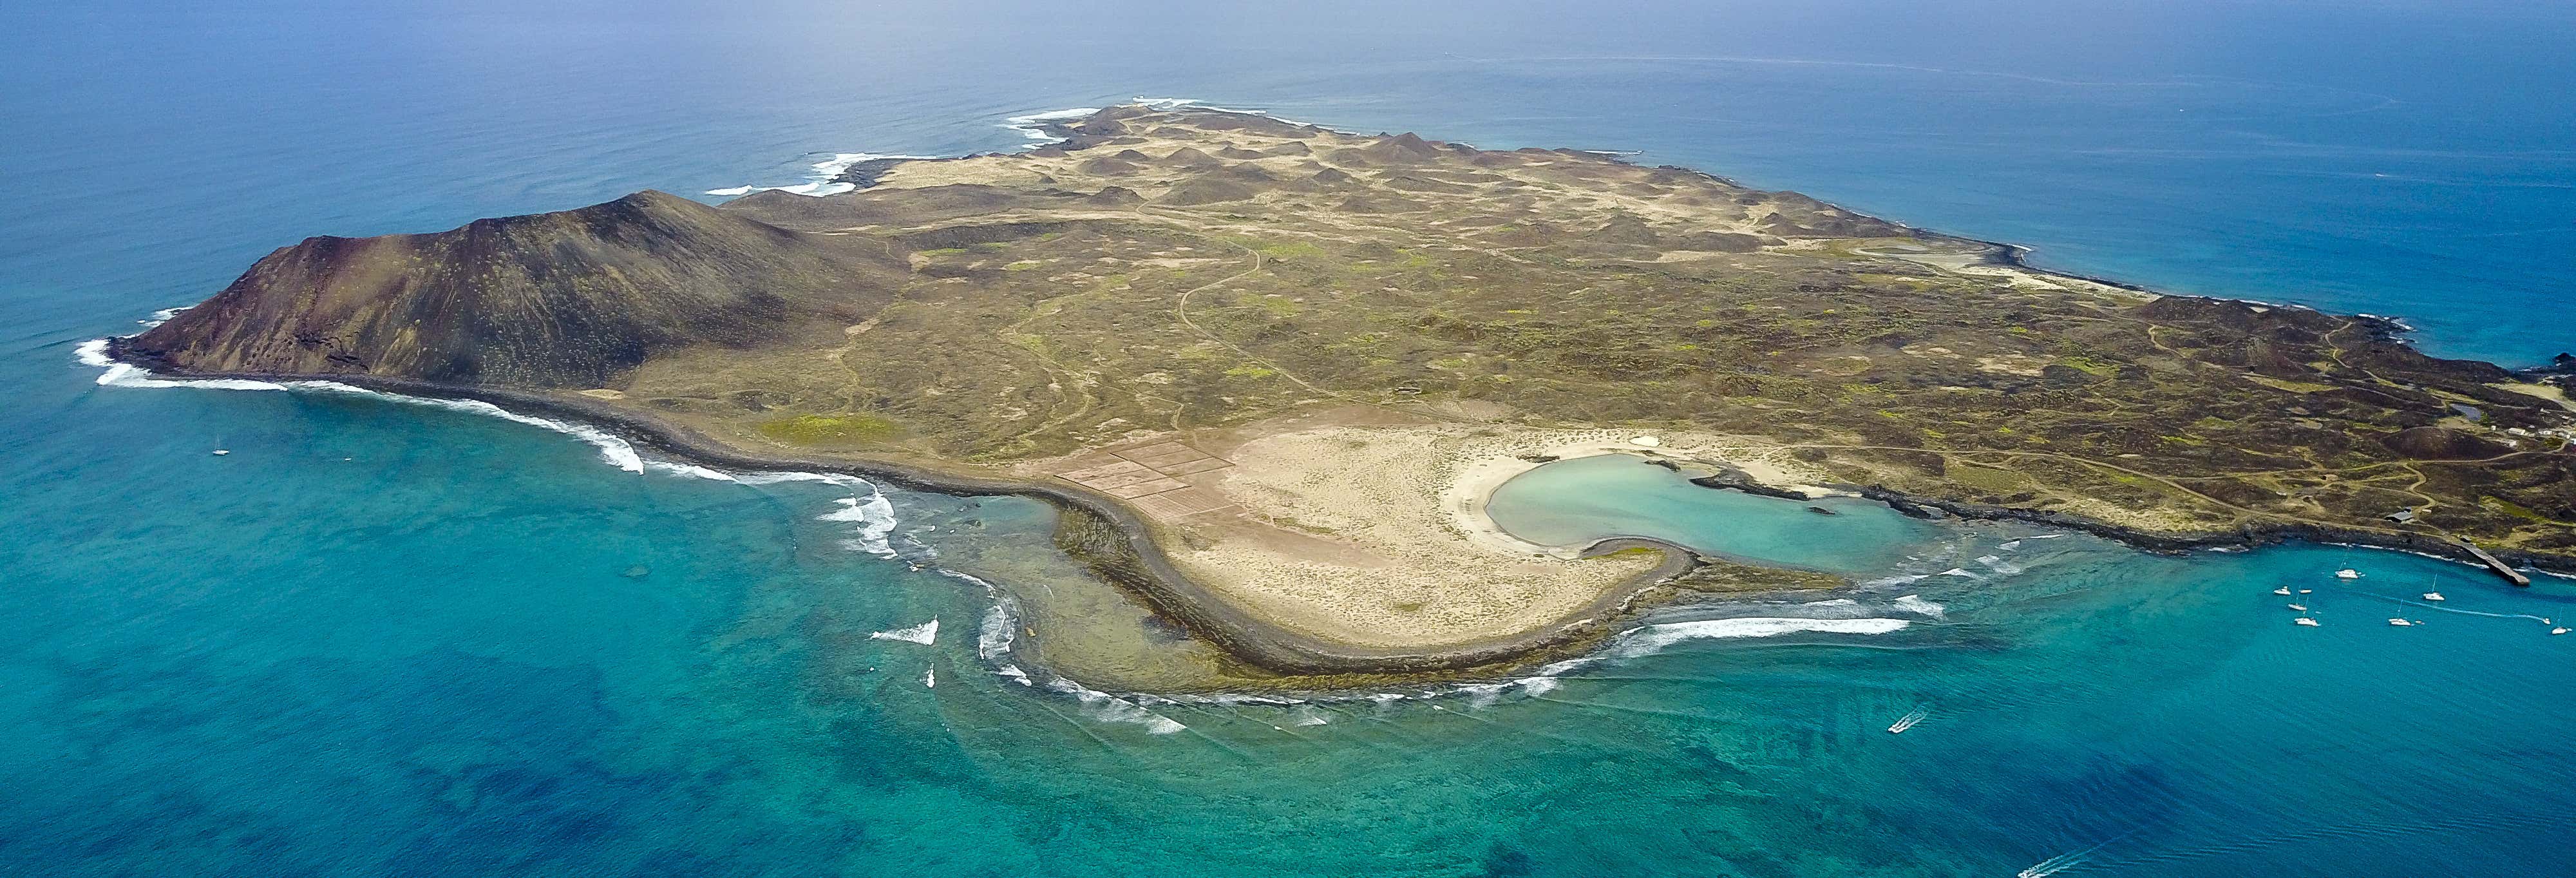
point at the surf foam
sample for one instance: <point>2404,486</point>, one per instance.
<point>874,516</point>
<point>1104,707</point>
<point>925,633</point>
<point>820,181</point>
<point>1914,603</point>
<point>1029,126</point>
<point>618,452</point>
<point>1652,639</point>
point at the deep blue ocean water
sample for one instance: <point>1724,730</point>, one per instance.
<point>381,638</point>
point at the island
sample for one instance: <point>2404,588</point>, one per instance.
<point>1269,371</point>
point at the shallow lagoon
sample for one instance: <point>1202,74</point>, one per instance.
<point>382,640</point>
<point>1570,502</point>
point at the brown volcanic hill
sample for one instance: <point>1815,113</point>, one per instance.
<point>570,298</point>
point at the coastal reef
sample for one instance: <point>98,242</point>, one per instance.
<point>1293,359</point>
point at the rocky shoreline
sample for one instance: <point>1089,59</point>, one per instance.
<point>747,290</point>
<point>1105,536</point>
<point>2244,538</point>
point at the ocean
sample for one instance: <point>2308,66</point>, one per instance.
<point>380,637</point>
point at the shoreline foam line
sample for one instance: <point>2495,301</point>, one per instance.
<point>1161,585</point>
<point>822,180</point>
<point>1171,592</point>
<point>873,514</point>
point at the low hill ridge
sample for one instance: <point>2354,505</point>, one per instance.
<point>570,298</point>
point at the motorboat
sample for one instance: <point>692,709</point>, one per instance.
<point>2299,607</point>
<point>2347,573</point>
<point>221,452</point>
<point>1907,721</point>
<point>2283,591</point>
<point>2401,623</point>
<point>2434,596</point>
<point>2303,620</point>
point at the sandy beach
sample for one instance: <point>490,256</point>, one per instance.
<point>1377,536</point>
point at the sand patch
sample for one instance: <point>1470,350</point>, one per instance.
<point>1377,536</point>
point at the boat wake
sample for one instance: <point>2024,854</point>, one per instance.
<point>2438,607</point>
<point>2060,863</point>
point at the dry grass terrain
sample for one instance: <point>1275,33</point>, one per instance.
<point>1331,332</point>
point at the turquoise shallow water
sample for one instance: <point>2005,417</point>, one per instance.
<point>1574,501</point>
<point>386,639</point>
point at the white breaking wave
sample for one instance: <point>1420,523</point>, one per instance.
<point>1482,695</point>
<point>993,638</point>
<point>820,181</point>
<point>776,477</point>
<point>618,452</point>
<point>1028,126</point>
<point>1652,639</point>
<point>874,516</point>
<point>1914,603</point>
<point>925,633</point>
<point>873,513</point>
<point>691,470</point>
<point>1104,707</point>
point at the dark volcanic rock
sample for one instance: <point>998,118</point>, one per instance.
<point>1208,190</point>
<point>1106,167</point>
<point>1116,196</point>
<point>546,300</point>
<point>1720,242</point>
<point>1187,156</point>
<point>2442,443</point>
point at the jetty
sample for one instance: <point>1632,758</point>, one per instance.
<point>2501,569</point>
